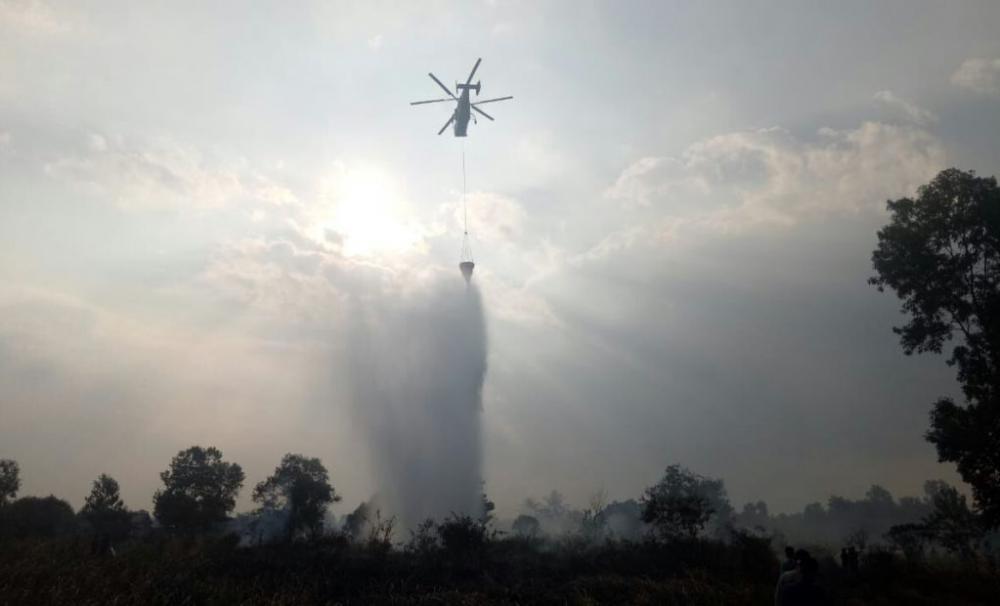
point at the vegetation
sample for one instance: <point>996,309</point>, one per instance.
<point>10,480</point>
<point>301,487</point>
<point>680,504</point>
<point>684,552</point>
<point>105,512</point>
<point>940,253</point>
<point>199,490</point>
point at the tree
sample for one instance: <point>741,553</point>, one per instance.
<point>952,524</point>
<point>10,480</point>
<point>463,537</point>
<point>940,253</point>
<point>526,526</point>
<point>37,517</point>
<point>680,504</point>
<point>105,511</point>
<point>356,521</point>
<point>486,507</point>
<point>199,489</point>
<point>302,487</point>
<point>104,498</point>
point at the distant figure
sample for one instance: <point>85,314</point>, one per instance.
<point>789,564</point>
<point>799,587</point>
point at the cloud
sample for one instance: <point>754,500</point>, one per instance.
<point>979,75</point>
<point>163,174</point>
<point>912,111</point>
<point>493,218</point>
<point>768,176</point>
<point>375,42</point>
<point>32,16</point>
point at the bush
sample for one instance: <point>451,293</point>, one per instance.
<point>37,517</point>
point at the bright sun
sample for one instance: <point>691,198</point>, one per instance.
<point>370,215</point>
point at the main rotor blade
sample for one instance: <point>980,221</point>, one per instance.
<point>431,101</point>
<point>446,89</point>
<point>474,68</point>
<point>492,100</point>
<point>447,124</point>
<point>482,112</point>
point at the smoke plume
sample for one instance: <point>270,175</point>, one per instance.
<point>417,378</point>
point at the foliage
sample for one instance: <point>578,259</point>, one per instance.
<point>910,539</point>
<point>355,522</point>
<point>953,525</point>
<point>380,533</point>
<point>681,503</point>
<point>10,480</point>
<point>486,506</point>
<point>104,510</point>
<point>37,517</point>
<point>940,253</point>
<point>526,526</point>
<point>301,486</point>
<point>513,571</point>
<point>463,536</point>
<point>104,498</point>
<point>842,520</point>
<point>423,540</point>
<point>623,520</point>
<point>553,514</point>
<point>593,519</point>
<point>509,570</point>
<point>199,489</point>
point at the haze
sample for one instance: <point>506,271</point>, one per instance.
<point>672,226</point>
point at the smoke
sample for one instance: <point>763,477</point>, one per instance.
<point>417,376</point>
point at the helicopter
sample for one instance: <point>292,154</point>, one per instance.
<point>463,111</point>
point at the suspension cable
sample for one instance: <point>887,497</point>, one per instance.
<point>465,210</point>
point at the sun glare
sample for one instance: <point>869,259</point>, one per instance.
<point>370,215</point>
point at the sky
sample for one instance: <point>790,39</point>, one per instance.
<point>672,223</point>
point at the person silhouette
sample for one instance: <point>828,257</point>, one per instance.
<point>806,591</point>
<point>789,564</point>
<point>799,587</point>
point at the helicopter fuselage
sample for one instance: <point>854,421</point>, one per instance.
<point>462,114</point>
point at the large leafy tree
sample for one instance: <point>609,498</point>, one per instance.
<point>301,486</point>
<point>199,489</point>
<point>940,253</point>
<point>682,502</point>
<point>10,480</point>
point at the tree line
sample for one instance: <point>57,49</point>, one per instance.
<point>198,495</point>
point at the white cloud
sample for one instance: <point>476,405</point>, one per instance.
<point>375,42</point>
<point>163,174</point>
<point>735,181</point>
<point>911,110</point>
<point>493,217</point>
<point>980,75</point>
<point>32,16</point>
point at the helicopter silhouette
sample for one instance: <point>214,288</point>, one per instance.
<point>463,111</point>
